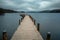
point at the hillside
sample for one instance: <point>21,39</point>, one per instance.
<point>51,11</point>
<point>7,11</point>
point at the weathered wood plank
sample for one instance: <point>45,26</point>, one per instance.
<point>27,31</point>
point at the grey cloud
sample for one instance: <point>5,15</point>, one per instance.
<point>56,5</point>
<point>23,5</point>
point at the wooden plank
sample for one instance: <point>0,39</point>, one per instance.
<point>27,31</point>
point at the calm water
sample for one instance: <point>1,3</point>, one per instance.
<point>50,22</point>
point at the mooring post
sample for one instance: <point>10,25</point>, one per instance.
<point>22,15</point>
<point>31,17</point>
<point>38,26</point>
<point>19,21</point>
<point>34,22</point>
<point>5,37</point>
<point>48,36</point>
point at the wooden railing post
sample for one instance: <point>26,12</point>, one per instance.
<point>22,15</point>
<point>31,17</point>
<point>48,36</point>
<point>38,26</point>
<point>5,37</point>
<point>19,21</point>
<point>34,22</point>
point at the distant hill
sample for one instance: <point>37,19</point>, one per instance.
<point>51,11</point>
<point>45,11</point>
<point>7,11</point>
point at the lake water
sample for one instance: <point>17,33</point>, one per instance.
<point>49,22</point>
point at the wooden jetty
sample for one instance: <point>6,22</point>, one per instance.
<point>27,31</point>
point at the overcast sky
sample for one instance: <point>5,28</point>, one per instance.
<point>30,5</point>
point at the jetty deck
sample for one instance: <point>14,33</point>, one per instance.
<point>27,31</point>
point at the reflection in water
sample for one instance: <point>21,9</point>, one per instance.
<point>2,14</point>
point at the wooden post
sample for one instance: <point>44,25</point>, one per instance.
<point>5,37</point>
<point>38,26</point>
<point>31,17</point>
<point>34,22</point>
<point>22,15</point>
<point>19,21</point>
<point>48,36</point>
